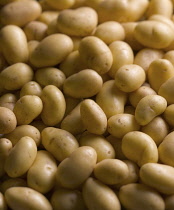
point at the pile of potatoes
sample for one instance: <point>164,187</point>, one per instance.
<point>86,105</point>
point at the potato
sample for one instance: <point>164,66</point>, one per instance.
<point>143,144</point>
<point>58,142</point>
<point>3,204</point>
<point>169,56</point>
<point>65,199</point>
<point>139,196</point>
<point>99,196</point>
<point>60,4</point>
<point>169,115</point>
<point>93,117</point>
<point>122,55</point>
<point>158,176</point>
<point>31,88</point>
<point>103,148</point>
<point>111,171</point>
<point>77,22</point>
<point>75,169</point>
<point>27,108</point>
<point>89,79</point>
<point>130,77</point>
<point>14,44</point>
<point>8,120</point>
<point>24,130</point>
<point>95,54</point>
<point>8,100</point>
<point>20,13</point>
<point>149,107</point>
<point>16,75</point>
<point>26,198</point>
<point>17,162</point>
<point>111,99</point>
<point>48,16</point>
<point>41,175</point>
<point>51,50</point>
<point>53,99</point>
<point>120,124</point>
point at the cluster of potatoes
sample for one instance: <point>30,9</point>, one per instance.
<point>86,104</point>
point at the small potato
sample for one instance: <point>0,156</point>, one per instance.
<point>129,78</point>
<point>58,142</point>
<point>111,99</point>
<point>27,108</point>
<point>169,56</point>
<point>137,95</point>
<point>103,147</point>
<point>111,171</point>
<point>77,22</point>
<point>51,50</point>
<point>8,120</point>
<point>146,56</point>
<point>149,107</point>
<point>14,44</point>
<point>48,16</point>
<point>26,198</point>
<point>161,69</point>
<point>20,13</point>
<point>8,100</point>
<point>35,30</point>
<point>169,202</point>
<point>110,31</point>
<point>139,196</point>
<point>154,34</point>
<point>60,4</point>
<point>93,117</point>
<point>157,129</point>
<point>169,115</point>
<point>120,124</point>
<point>24,130</point>
<point>53,99</point>
<point>31,88</point>
<point>167,90</point>
<point>50,76</point>
<point>122,55</point>
<point>99,196</point>
<point>3,204</point>
<point>41,175</point>
<point>95,54</point>
<point>65,199</point>
<point>143,144</point>
<point>84,84</point>
<point>166,151</point>
<point>16,75</point>
<point>158,176</point>
<point>75,169</point>
<point>17,162</point>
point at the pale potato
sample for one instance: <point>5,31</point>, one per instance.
<point>31,88</point>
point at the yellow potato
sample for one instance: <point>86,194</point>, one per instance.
<point>158,176</point>
<point>24,130</point>
<point>51,50</point>
<point>53,99</point>
<point>93,117</point>
<point>31,88</point>
<point>130,77</point>
<point>111,99</point>
<point>14,44</point>
<point>63,199</point>
<point>27,108</point>
<point>58,142</point>
<point>8,120</point>
<point>169,115</point>
<point>103,148</point>
<point>3,204</point>
<point>120,124</point>
<point>20,13</point>
<point>75,169</point>
<point>16,75</point>
<point>77,22</point>
<point>143,144</point>
<point>26,198</point>
<point>95,54</point>
<point>48,16</point>
<point>122,55</point>
<point>149,107</point>
<point>139,196</point>
<point>8,100</point>
<point>111,171</point>
<point>89,79</point>
<point>99,196</point>
<point>17,162</point>
<point>60,4</point>
<point>41,175</point>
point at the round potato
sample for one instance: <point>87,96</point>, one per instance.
<point>31,88</point>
